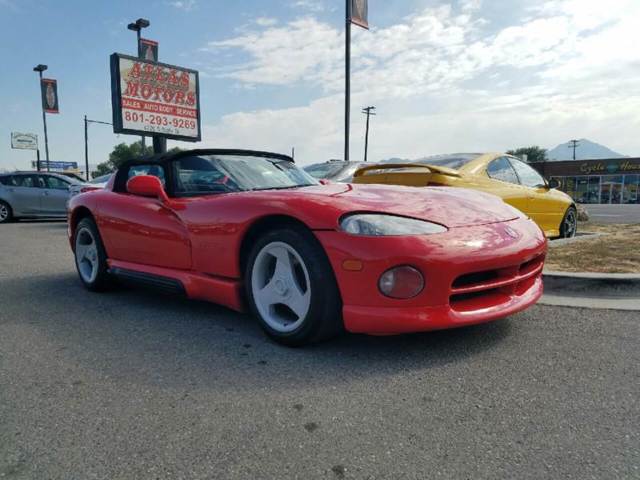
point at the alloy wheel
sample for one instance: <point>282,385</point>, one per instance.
<point>87,255</point>
<point>280,286</point>
<point>4,212</point>
<point>570,224</point>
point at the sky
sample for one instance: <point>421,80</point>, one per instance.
<point>445,76</point>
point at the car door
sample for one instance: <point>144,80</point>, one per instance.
<point>23,194</point>
<point>544,208</point>
<point>143,230</point>
<point>505,184</point>
<point>55,195</point>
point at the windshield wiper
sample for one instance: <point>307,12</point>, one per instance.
<point>281,188</point>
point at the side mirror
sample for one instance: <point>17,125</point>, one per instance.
<point>147,186</point>
<point>553,183</point>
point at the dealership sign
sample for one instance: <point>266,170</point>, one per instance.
<point>151,98</point>
<point>24,141</point>
<point>49,92</point>
<point>57,165</point>
<point>148,49</point>
<point>360,13</point>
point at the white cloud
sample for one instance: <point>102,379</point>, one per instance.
<point>443,80</point>
<point>311,5</point>
<point>186,5</point>
<point>266,21</point>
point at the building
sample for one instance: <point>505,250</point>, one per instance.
<point>611,181</point>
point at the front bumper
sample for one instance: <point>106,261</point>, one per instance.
<point>472,275</point>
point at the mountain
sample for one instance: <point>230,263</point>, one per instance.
<point>586,150</point>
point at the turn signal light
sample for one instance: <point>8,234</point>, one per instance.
<point>401,282</point>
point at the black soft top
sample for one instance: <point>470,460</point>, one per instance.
<point>163,158</point>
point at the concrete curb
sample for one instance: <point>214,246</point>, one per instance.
<point>580,237</point>
<point>615,291</point>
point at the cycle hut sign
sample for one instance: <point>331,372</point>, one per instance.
<point>152,98</point>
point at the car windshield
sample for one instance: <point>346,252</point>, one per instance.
<point>101,178</point>
<point>197,175</point>
<point>326,170</point>
<point>71,180</point>
<point>454,161</point>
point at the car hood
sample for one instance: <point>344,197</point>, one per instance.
<point>448,206</point>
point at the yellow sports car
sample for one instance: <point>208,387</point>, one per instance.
<point>505,176</point>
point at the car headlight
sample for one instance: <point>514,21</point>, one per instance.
<point>373,224</point>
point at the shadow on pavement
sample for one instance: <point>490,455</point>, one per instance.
<point>144,337</point>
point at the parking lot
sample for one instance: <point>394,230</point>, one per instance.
<point>131,384</point>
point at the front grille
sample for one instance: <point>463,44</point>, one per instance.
<point>493,287</point>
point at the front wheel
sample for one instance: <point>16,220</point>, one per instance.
<point>569,225</point>
<point>6,214</point>
<point>90,256</point>
<point>291,288</point>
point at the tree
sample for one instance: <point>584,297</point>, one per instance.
<point>123,152</point>
<point>534,154</point>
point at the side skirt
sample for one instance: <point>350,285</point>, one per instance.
<point>198,286</point>
<point>164,284</point>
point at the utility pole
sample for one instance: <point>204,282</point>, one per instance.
<point>137,27</point>
<point>86,142</point>
<point>41,68</point>
<point>368,111</point>
<point>574,144</point>
<point>347,97</point>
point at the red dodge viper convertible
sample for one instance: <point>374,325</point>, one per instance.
<point>251,231</point>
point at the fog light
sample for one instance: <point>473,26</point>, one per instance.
<point>401,282</point>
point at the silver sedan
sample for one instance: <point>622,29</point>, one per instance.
<point>34,195</point>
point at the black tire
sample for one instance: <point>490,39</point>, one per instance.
<point>324,318</point>
<point>569,225</point>
<point>103,280</point>
<point>6,213</point>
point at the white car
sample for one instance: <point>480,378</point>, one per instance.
<point>95,184</point>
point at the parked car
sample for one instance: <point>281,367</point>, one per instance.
<point>505,176</point>
<point>34,195</point>
<point>334,170</point>
<point>251,231</point>
<point>95,184</point>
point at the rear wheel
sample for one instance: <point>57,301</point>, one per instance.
<point>569,225</point>
<point>291,288</point>
<point>6,214</point>
<point>90,256</point>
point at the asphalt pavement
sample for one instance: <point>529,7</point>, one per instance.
<point>130,384</point>
<point>614,213</point>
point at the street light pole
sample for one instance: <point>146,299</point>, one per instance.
<point>368,111</point>
<point>347,98</point>
<point>86,148</point>
<point>41,68</point>
<point>137,27</point>
<point>86,142</point>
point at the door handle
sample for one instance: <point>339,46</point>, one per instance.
<point>45,193</point>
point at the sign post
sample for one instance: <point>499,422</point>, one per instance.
<point>357,13</point>
<point>156,99</point>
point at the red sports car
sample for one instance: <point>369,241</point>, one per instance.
<point>252,231</point>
